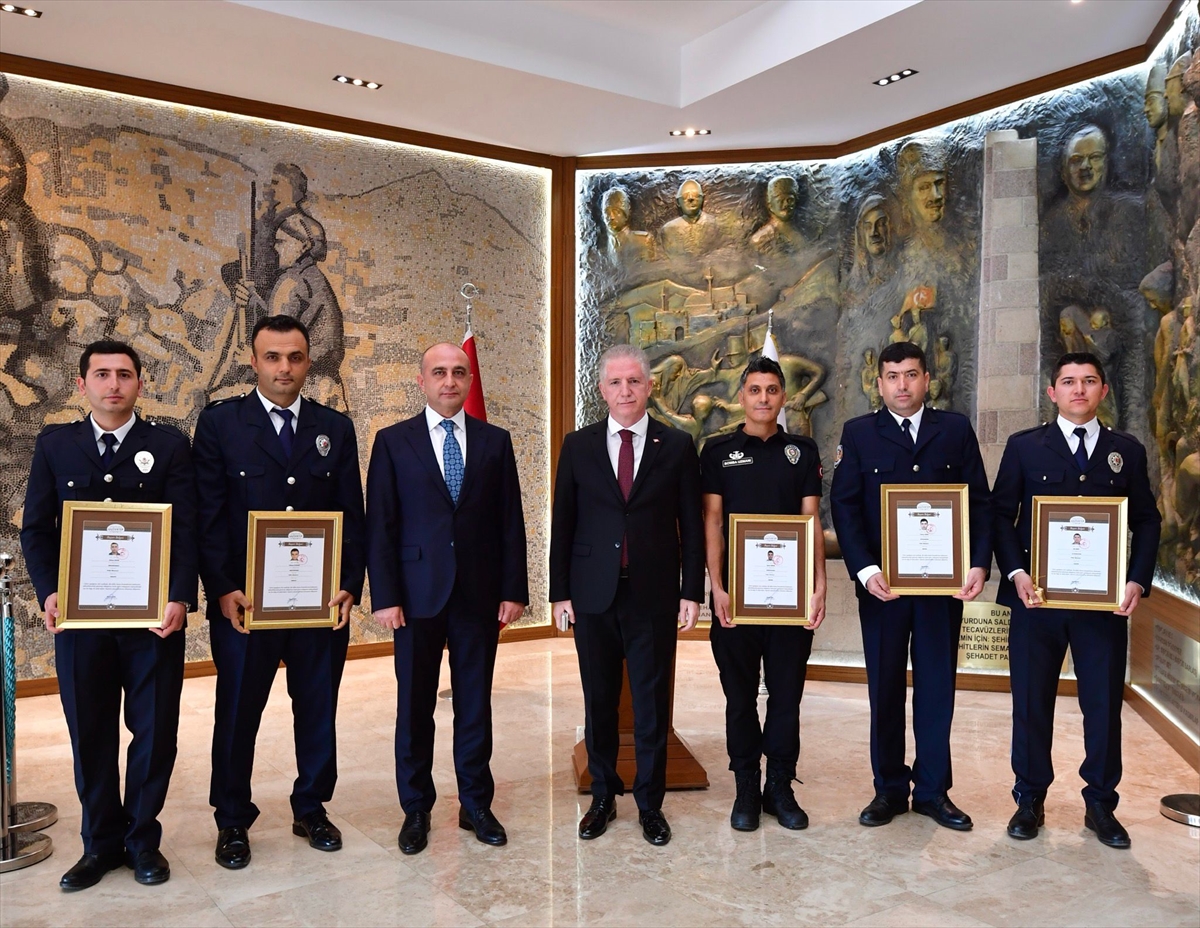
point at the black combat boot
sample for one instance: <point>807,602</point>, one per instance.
<point>749,801</point>
<point>779,801</point>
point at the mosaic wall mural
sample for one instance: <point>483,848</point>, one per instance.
<point>175,228</point>
<point>843,257</point>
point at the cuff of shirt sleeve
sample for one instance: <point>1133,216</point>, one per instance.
<point>1013,573</point>
<point>868,572</point>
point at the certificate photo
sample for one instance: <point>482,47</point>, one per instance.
<point>770,569</point>
<point>114,565</point>
<point>293,561</point>
<point>292,567</point>
<point>1079,551</point>
<point>924,537</point>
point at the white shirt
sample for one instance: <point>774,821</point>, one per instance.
<point>639,442</point>
<point>1089,440</point>
<point>437,435</point>
<point>120,433</point>
<point>914,425</point>
<point>276,419</point>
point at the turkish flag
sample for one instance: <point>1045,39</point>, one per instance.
<point>474,406</point>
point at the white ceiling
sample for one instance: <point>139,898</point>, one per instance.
<point>580,77</point>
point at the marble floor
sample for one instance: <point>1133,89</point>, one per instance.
<point>835,873</point>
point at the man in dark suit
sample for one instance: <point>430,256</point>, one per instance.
<point>626,521</point>
<point>273,450</point>
<point>446,552</point>
<point>115,456</point>
<point>907,442</point>
<point>1072,456</point>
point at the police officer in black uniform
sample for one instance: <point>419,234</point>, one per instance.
<point>1072,456</point>
<point>273,450</point>
<point>114,456</point>
<point>908,442</point>
<point>760,468</point>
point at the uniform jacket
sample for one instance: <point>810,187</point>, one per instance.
<point>66,466</point>
<point>420,544</point>
<point>662,522</point>
<point>240,466</point>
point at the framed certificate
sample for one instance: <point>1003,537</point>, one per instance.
<point>293,562</point>
<point>113,565</point>
<point>926,534</point>
<point>770,569</point>
<point>1079,551</point>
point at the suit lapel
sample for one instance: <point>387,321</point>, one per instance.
<point>476,442</point>
<point>931,427</point>
<point>654,433</point>
<point>1054,439</point>
<point>417,435</point>
<point>1104,445</point>
<point>891,431</point>
<point>85,437</point>
<point>306,432</point>
<point>600,440</point>
<point>253,414</point>
<point>134,442</point>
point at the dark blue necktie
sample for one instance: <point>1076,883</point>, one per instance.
<point>1081,455</point>
<point>110,448</point>
<point>906,424</point>
<point>285,434</point>
<point>452,461</point>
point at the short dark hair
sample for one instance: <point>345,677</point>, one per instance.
<point>901,351</point>
<point>108,346</point>
<point>1077,357</point>
<point>280,323</point>
<point>763,365</point>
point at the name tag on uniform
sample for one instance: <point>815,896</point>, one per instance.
<point>736,458</point>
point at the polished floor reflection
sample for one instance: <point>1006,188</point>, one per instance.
<point>835,873</point>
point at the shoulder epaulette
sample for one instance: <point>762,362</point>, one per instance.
<point>228,399</point>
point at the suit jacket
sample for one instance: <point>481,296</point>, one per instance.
<point>240,466</point>
<point>662,522</point>
<point>1039,461</point>
<point>420,545</point>
<point>66,466</point>
<point>875,451</point>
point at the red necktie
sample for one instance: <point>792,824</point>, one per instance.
<point>625,480</point>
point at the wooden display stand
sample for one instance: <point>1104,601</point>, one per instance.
<point>683,770</point>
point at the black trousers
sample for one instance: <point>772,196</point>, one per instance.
<point>246,665</point>
<point>927,627</point>
<point>1037,643</point>
<point>646,645</point>
<point>94,666</point>
<point>783,652</point>
<point>472,637</point>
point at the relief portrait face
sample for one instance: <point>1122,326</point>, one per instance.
<point>1086,161</point>
<point>928,197</point>
<point>616,212</point>
<point>690,199</point>
<point>782,195</point>
<point>1155,109</point>
<point>876,231</point>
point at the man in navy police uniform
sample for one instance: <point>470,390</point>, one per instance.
<point>446,547</point>
<point>761,469</point>
<point>113,455</point>
<point>1072,456</point>
<point>908,442</point>
<point>273,450</point>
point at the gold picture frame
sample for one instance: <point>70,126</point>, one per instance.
<point>1076,518</point>
<point>787,534</point>
<point>275,583</point>
<point>928,502</point>
<point>114,565</point>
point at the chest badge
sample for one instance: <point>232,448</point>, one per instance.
<point>837,457</point>
<point>736,458</point>
<point>144,461</point>
<point>792,453</point>
<point>1116,462</point>
<point>323,445</point>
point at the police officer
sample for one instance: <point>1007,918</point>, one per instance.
<point>761,469</point>
<point>114,456</point>
<point>273,450</point>
<point>1072,456</point>
<point>907,442</point>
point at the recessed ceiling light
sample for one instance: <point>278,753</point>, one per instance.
<point>357,82</point>
<point>23,10</point>
<point>898,76</point>
<point>689,133</point>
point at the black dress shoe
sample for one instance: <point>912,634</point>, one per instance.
<point>414,833</point>
<point>944,812</point>
<point>881,810</point>
<point>321,833</point>
<point>1105,824</point>
<point>485,826</point>
<point>233,847</point>
<point>595,820</point>
<point>654,826</point>
<point>1027,819</point>
<point>90,869</point>
<point>150,867</point>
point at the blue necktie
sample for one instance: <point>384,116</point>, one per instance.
<point>1081,455</point>
<point>906,425</point>
<point>110,448</point>
<point>285,434</point>
<point>452,461</point>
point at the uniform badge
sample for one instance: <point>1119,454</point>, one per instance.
<point>837,457</point>
<point>736,455</point>
<point>737,458</point>
<point>323,445</point>
<point>792,453</point>
<point>144,461</point>
<point>1116,462</point>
